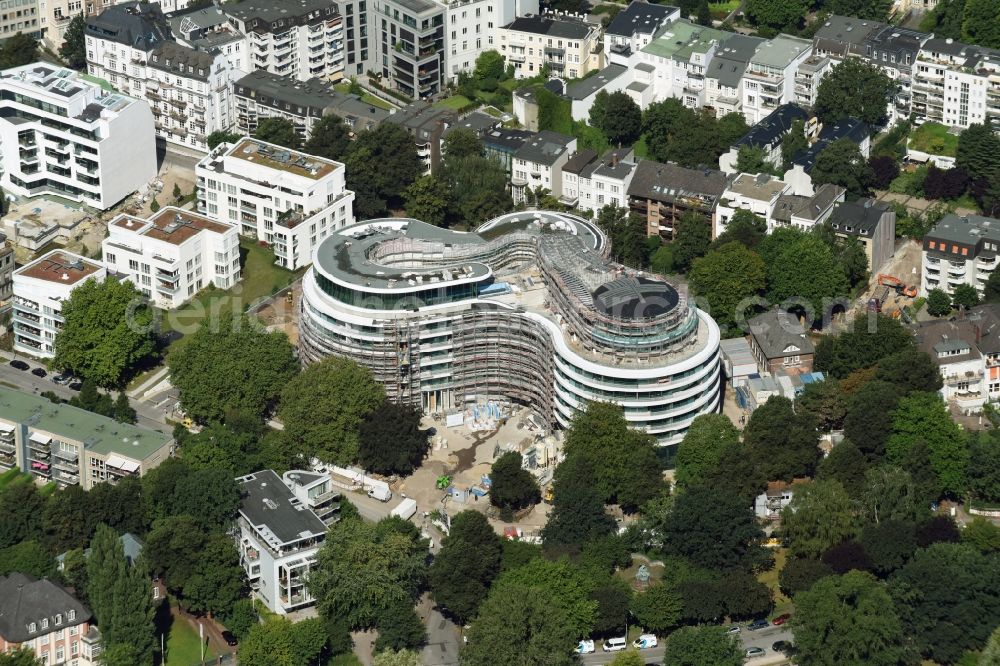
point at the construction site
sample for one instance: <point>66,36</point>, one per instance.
<point>526,311</point>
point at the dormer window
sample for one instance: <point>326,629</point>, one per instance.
<point>32,628</point>
<point>45,623</point>
<point>71,615</point>
<point>58,619</point>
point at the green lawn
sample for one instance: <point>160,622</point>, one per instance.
<point>933,138</point>
<point>455,102</point>
<point>12,475</point>
<point>367,98</point>
<point>183,647</point>
<point>260,278</point>
<point>782,604</point>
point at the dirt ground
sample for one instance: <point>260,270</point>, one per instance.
<point>466,456</point>
<point>282,314</point>
<point>163,187</point>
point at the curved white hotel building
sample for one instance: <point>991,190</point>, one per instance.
<point>528,308</point>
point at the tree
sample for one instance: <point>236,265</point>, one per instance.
<point>577,514</point>
<point>965,296</point>
<point>27,557</point>
<point>74,49</point>
<point>889,544</point>
<point>520,625</point>
<point>464,569</point>
<point>991,653</point>
<point>400,628</point>
<point>627,234</point>
<point>658,609</point>
<point>238,366</point>
<point>937,529</point>
<point>363,569</point>
<point>744,227</point>
<point>752,159</point>
<point>242,617</point>
<point>923,416</point>
<point>324,406</point>
<point>801,573</point>
<point>692,238</point>
<point>889,494</point>
<point>854,89</point>
<point>726,277</point>
<point>982,534</point>
<point>938,303</point>
<point>868,341</point>
<point>847,619</point>
<point>980,24</point>
<point>978,152</point>
<point>804,271</point>
<point>701,646</point>
<point>624,461</point>
<point>279,642</point>
<point>991,290</point>
<point>845,464</point>
<point>699,452</point>
<point>330,137</point>
<point>513,487</point>
<point>617,116</point>
<point>390,439</point>
<point>478,187</point>
<point>67,520</point>
<point>819,516</point>
<point>105,565</point>
<point>784,444</point>
<point>841,163</point>
<point>911,370</point>
<point>847,556</point>
<point>21,49</point>
<point>381,164</point>
<point>825,402</point>
<point>123,411</point>
<point>614,599</point>
<point>713,527</point>
<point>221,136</point>
<point>884,170</point>
<point>792,143</point>
<point>427,199</point>
<point>462,142</point>
<point>776,14</point>
<point>21,513</point>
<point>19,657</point>
<point>948,596</point>
<point>489,65</point>
<point>279,131</point>
<point>107,331</point>
<point>569,587</point>
<point>983,474</point>
<point>211,495</point>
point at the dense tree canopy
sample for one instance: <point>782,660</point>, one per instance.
<point>617,116</point>
<point>699,452</point>
<point>74,49</point>
<point>107,331</point>
<point>726,277</point>
<point>427,199</point>
<point>776,14</point>
<point>279,131</point>
<point>784,444</point>
<point>19,49</point>
<point>513,487</point>
<point>819,516</point>
<point>221,136</point>
<point>869,340</point>
<point>847,620</point>
<point>924,416</point>
<point>330,137</point>
<point>841,163</point>
<point>854,89</point>
<point>278,642</point>
<point>825,402</point>
<point>466,566</point>
<point>577,514</point>
<point>391,440</point>
<point>700,646</point>
<point>569,586</point>
<point>714,528</point>
<point>324,406</point>
<point>232,366</point>
<point>803,271</point>
<point>381,164</point>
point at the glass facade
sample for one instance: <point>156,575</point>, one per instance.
<point>401,301</point>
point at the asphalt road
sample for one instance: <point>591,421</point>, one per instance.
<point>147,415</point>
<point>762,638</point>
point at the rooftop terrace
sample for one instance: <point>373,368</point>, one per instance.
<point>281,159</point>
<point>60,267</point>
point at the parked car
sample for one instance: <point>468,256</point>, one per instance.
<point>19,364</point>
<point>735,629</point>
<point>780,646</point>
<point>585,647</point>
<point>615,644</point>
<point>75,386</point>
<point>63,377</point>
<point>753,652</point>
<point>781,619</point>
<point>229,638</point>
<point>644,641</point>
<point>759,623</point>
<point>39,372</point>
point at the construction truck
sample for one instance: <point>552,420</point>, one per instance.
<point>901,288</point>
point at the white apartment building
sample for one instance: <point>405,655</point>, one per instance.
<point>119,41</point>
<point>769,80</point>
<point>590,182</point>
<point>298,38</point>
<point>190,93</point>
<point>287,199</point>
<point>471,27</point>
<point>808,77</point>
<point>18,16</point>
<point>39,290</point>
<point>537,165</point>
<point>278,540</point>
<point>567,45</point>
<point>960,250</point>
<point>757,193</point>
<point>209,29</point>
<point>173,255</point>
<point>633,28</point>
<point>65,136</point>
<point>956,84</point>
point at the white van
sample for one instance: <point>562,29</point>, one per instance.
<point>615,644</point>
